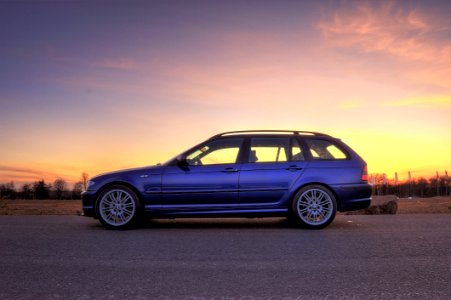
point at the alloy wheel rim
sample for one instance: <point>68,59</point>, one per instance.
<point>315,207</point>
<point>117,207</point>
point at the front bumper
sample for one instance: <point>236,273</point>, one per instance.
<point>88,202</point>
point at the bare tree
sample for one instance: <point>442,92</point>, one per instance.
<point>59,186</point>
<point>76,191</point>
<point>41,189</point>
<point>84,179</point>
<point>27,191</point>
<point>8,190</point>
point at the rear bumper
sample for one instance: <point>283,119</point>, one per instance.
<point>353,196</point>
<point>88,202</point>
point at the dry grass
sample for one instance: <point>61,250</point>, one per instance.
<point>2,204</point>
<point>74,207</point>
<point>424,205</point>
<point>41,207</point>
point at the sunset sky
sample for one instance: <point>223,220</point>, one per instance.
<point>95,86</point>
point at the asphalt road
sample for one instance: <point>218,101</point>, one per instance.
<point>357,257</point>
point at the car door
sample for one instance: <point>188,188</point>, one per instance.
<point>208,180</point>
<point>272,166</point>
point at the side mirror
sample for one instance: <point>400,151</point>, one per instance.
<point>182,163</point>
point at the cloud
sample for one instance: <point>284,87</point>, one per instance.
<point>405,33</point>
<point>430,102</point>
<point>411,45</point>
<point>350,104</point>
<point>28,171</point>
<point>125,64</point>
<point>21,174</point>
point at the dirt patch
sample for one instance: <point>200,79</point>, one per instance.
<point>381,205</point>
<point>74,207</point>
<point>424,205</point>
<point>40,207</point>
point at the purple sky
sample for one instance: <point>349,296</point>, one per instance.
<point>98,85</point>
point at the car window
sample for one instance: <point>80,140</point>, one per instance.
<point>269,150</point>
<point>296,151</point>
<point>223,151</point>
<point>322,149</point>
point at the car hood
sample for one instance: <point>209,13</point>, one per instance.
<point>152,169</point>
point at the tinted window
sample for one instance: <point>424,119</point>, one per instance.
<point>296,151</point>
<point>223,151</point>
<point>322,149</point>
<point>269,150</point>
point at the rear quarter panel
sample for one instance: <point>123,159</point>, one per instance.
<point>332,172</point>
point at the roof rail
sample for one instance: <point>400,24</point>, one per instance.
<point>293,132</point>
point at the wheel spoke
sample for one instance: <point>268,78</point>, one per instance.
<point>110,215</point>
<point>125,199</point>
<point>127,210</point>
<point>122,217</point>
<point>309,199</point>
<point>303,210</point>
<point>324,202</point>
<point>303,202</point>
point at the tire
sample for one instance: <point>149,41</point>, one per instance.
<point>314,207</point>
<point>118,207</point>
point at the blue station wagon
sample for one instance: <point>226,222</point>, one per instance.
<point>306,176</point>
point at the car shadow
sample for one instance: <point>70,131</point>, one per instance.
<point>216,223</point>
<point>340,223</point>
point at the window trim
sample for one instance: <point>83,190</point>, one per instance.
<point>244,151</point>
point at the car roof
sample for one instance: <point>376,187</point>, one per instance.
<point>270,132</point>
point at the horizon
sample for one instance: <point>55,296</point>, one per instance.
<point>100,86</point>
<point>390,180</point>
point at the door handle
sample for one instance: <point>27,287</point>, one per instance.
<point>230,170</point>
<point>293,168</point>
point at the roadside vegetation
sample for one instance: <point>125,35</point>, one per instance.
<point>389,196</point>
<point>413,187</point>
<point>41,190</point>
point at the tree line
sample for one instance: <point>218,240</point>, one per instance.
<point>413,187</point>
<point>41,190</point>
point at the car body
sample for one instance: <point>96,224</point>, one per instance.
<point>307,176</point>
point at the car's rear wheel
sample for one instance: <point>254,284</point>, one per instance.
<point>314,207</point>
<point>117,207</point>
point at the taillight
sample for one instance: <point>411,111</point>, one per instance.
<point>365,173</point>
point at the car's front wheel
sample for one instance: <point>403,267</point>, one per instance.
<point>314,207</point>
<point>117,207</point>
